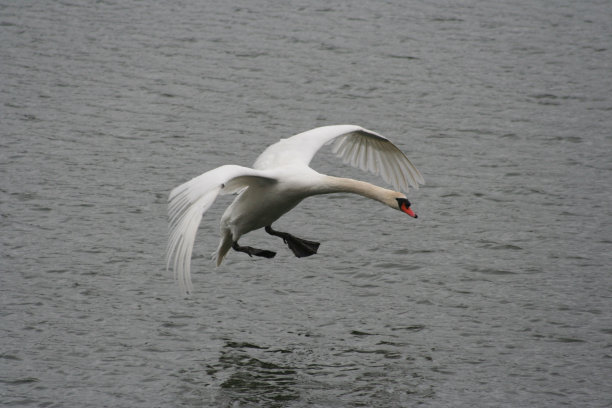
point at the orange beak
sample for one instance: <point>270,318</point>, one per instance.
<point>408,211</point>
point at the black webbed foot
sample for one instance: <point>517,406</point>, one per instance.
<point>250,251</point>
<point>300,247</point>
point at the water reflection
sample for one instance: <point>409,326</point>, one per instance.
<point>254,381</point>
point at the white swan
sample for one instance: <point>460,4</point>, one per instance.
<point>279,180</point>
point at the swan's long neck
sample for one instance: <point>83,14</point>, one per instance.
<point>347,185</point>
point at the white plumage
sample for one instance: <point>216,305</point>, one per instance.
<point>279,180</point>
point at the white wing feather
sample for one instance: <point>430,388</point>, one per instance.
<point>189,201</point>
<point>355,145</point>
<point>376,154</point>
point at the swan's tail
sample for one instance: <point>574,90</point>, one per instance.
<point>224,246</point>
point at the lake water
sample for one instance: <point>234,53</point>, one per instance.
<point>499,295</point>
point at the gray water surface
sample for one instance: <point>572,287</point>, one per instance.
<point>499,295</point>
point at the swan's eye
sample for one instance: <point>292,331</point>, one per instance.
<point>403,201</point>
<point>404,206</point>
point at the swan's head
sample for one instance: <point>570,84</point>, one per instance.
<point>404,206</point>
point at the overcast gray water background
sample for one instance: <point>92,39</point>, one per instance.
<point>498,295</point>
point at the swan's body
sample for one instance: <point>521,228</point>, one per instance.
<point>279,180</point>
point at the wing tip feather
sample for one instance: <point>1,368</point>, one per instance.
<point>375,153</point>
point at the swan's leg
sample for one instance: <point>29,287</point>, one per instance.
<point>300,247</point>
<point>250,251</point>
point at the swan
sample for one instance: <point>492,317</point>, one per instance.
<point>279,180</point>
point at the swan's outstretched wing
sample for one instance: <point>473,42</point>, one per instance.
<point>189,201</point>
<point>355,145</point>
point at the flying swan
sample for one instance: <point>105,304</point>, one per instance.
<point>280,178</point>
